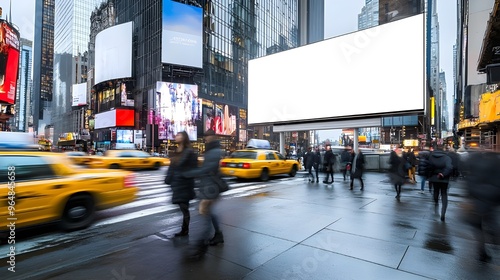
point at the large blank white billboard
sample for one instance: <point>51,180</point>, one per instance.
<point>113,53</point>
<point>367,73</point>
<point>79,93</point>
<point>106,119</point>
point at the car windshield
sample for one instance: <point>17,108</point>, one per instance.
<point>244,154</point>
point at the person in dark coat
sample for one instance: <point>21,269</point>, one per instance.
<point>309,162</point>
<point>358,165</point>
<point>441,168</point>
<point>182,188</point>
<point>329,161</point>
<point>316,160</point>
<point>208,193</point>
<point>482,181</point>
<point>397,172</point>
<point>345,160</point>
<point>412,163</point>
<point>423,166</point>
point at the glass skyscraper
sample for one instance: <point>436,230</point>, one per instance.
<point>72,29</point>
<point>23,96</point>
<point>43,58</point>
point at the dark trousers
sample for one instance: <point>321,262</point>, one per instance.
<point>398,189</point>
<point>360,180</point>
<point>186,217</point>
<point>316,169</point>
<point>441,188</point>
<point>329,173</point>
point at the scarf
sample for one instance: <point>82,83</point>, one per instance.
<point>353,169</point>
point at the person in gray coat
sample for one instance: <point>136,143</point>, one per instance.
<point>208,192</point>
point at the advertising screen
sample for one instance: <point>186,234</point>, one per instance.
<point>124,117</point>
<point>9,62</point>
<point>182,32</point>
<point>221,118</point>
<point>178,109</point>
<point>124,92</point>
<point>124,136</point>
<point>79,92</point>
<point>113,53</point>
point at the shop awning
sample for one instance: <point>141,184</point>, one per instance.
<point>490,50</point>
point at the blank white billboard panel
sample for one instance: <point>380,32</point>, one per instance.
<point>106,119</point>
<point>113,53</point>
<point>79,92</point>
<point>371,72</point>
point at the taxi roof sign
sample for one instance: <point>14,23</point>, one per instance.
<point>258,144</point>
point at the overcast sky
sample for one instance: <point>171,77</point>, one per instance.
<point>341,16</point>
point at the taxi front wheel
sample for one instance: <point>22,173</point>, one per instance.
<point>78,212</point>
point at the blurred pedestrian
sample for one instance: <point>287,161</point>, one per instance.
<point>208,192</point>
<point>412,163</point>
<point>423,168</point>
<point>309,163</point>
<point>329,161</point>
<point>480,170</point>
<point>358,165</point>
<point>316,163</point>
<point>183,160</point>
<point>397,172</point>
<point>345,161</point>
<point>441,168</point>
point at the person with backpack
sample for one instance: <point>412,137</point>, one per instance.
<point>440,170</point>
<point>412,163</point>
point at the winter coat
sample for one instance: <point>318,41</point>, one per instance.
<point>411,159</point>
<point>358,165</point>
<point>313,160</point>
<point>439,162</point>
<point>423,163</point>
<point>329,160</point>
<point>397,172</point>
<point>208,189</point>
<point>182,188</point>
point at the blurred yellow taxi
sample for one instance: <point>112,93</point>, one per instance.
<point>127,159</point>
<point>78,158</point>
<point>42,187</point>
<point>258,161</point>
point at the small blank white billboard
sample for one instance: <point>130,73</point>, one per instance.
<point>113,53</point>
<point>367,73</point>
<point>105,119</point>
<point>79,93</point>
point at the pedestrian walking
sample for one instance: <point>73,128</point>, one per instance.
<point>328,161</point>
<point>411,159</point>
<point>183,160</point>
<point>480,170</point>
<point>397,172</point>
<point>208,192</point>
<point>441,168</point>
<point>316,163</point>
<point>423,168</point>
<point>358,165</point>
<point>345,161</point>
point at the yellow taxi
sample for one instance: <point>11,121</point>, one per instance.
<point>78,158</point>
<point>39,187</point>
<point>258,161</point>
<point>127,159</point>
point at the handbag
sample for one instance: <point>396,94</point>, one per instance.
<point>221,183</point>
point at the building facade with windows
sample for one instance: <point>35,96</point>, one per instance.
<point>24,88</point>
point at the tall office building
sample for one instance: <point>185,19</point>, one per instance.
<point>233,32</point>
<point>369,15</point>
<point>71,39</point>
<point>24,87</point>
<point>43,58</point>
<point>311,21</point>
<point>443,103</point>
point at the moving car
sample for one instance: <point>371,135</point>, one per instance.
<point>258,161</point>
<point>127,159</point>
<point>39,187</point>
<point>78,158</point>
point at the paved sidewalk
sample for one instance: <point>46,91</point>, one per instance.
<point>294,229</point>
